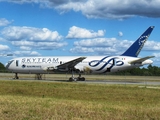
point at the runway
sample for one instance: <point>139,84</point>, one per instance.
<point>117,82</point>
<point>90,79</point>
<point>109,82</point>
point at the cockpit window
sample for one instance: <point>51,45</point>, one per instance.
<point>9,62</point>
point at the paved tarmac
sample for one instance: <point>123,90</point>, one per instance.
<point>110,82</point>
<point>143,81</point>
<point>117,82</point>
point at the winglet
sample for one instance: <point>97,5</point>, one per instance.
<point>136,47</point>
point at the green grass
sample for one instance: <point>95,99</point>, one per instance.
<point>22,100</point>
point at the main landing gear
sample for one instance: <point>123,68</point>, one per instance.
<point>16,76</point>
<point>38,76</point>
<point>79,78</point>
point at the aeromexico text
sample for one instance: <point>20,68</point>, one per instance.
<point>40,60</point>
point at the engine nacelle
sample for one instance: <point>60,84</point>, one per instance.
<point>49,68</point>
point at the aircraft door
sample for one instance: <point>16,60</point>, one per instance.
<point>112,64</point>
<point>17,63</point>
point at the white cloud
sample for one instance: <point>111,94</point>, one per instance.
<point>77,32</point>
<point>95,50</point>
<point>124,44</point>
<point>79,49</point>
<point>50,45</point>
<point>35,53</point>
<point>109,46</point>
<point>99,46</point>
<point>120,33</point>
<point>109,50</point>
<point>23,43</point>
<point>25,48</point>
<point>2,39</point>
<point>4,47</point>
<point>28,45</point>
<point>14,33</point>
<point>108,9</point>
<point>156,59</point>
<point>100,42</point>
<point>22,1</point>
<point>4,22</point>
<point>152,45</point>
<point>29,38</point>
<point>26,53</point>
<point>114,9</point>
<point>157,55</point>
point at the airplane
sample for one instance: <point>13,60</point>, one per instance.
<point>80,64</point>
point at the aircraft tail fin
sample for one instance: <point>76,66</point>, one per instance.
<point>136,47</point>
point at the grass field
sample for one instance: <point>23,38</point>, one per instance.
<point>33,100</point>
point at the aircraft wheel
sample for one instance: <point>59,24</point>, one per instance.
<point>80,79</point>
<point>71,79</point>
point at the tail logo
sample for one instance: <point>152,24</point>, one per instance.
<point>142,40</point>
<point>136,47</point>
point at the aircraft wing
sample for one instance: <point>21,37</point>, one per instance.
<point>140,60</point>
<point>71,63</point>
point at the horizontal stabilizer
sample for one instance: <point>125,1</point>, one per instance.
<point>140,60</point>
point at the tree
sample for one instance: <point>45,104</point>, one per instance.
<point>154,70</point>
<point>2,68</point>
<point>149,71</point>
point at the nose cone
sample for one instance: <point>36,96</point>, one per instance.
<point>7,66</point>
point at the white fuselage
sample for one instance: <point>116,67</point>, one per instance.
<point>91,64</point>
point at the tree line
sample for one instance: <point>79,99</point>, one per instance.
<point>2,68</point>
<point>149,71</point>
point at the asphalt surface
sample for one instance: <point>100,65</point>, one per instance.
<point>116,82</point>
<point>144,81</point>
<point>110,82</point>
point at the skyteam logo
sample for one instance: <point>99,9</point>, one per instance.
<point>141,42</point>
<point>106,63</point>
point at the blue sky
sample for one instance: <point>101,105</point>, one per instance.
<point>77,27</point>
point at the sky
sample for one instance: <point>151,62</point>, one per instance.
<point>77,27</point>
